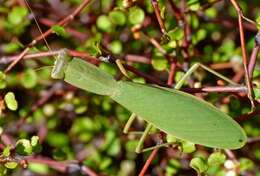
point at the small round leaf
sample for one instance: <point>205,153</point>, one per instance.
<point>136,15</point>
<point>29,79</point>
<point>199,164</point>
<point>23,147</point>
<point>11,101</point>
<point>104,23</point>
<point>11,165</point>
<point>117,17</point>
<point>116,47</point>
<point>187,147</point>
<point>217,158</point>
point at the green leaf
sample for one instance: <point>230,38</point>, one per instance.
<point>199,164</point>
<point>23,147</point>
<point>39,168</point>
<point>171,138</point>
<point>106,162</point>
<point>3,170</point>
<point>187,147</point>
<point>104,23</point>
<point>173,167</point>
<point>11,101</point>
<point>2,75</point>
<point>159,63</point>
<point>6,151</point>
<point>136,15</point>
<point>216,159</point>
<point>59,154</point>
<point>257,92</point>
<point>10,47</point>
<point>246,164</point>
<point>48,110</point>
<point>29,78</point>
<point>112,144</point>
<point>194,5</point>
<point>11,165</point>
<point>201,34</point>
<point>17,15</point>
<point>116,47</point>
<point>176,34</point>
<point>57,139</point>
<point>59,30</point>
<point>117,17</point>
<point>34,141</point>
<point>2,80</point>
<point>258,22</point>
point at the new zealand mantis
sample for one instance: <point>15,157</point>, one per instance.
<point>174,112</point>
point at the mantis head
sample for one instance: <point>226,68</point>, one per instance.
<point>60,64</point>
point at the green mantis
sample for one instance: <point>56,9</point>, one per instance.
<point>174,112</point>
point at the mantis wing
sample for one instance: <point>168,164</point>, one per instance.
<point>181,115</point>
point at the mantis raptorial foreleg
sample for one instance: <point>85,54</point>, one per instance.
<point>139,147</point>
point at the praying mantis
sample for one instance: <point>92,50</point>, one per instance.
<point>174,112</point>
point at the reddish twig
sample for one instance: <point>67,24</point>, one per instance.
<point>137,58</point>
<point>81,36</point>
<point>62,166</point>
<point>71,53</point>
<point>158,16</point>
<point>177,12</point>
<point>253,139</point>
<point>254,54</point>
<point>208,5</point>
<point>148,78</point>
<point>220,66</point>
<point>182,21</point>
<point>171,74</point>
<point>20,57</point>
<point>148,162</point>
<point>244,53</point>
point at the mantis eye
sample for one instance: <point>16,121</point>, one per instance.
<point>59,65</point>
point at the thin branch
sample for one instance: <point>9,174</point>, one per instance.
<point>254,54</point>
<point>148,162</point>
<point>158,16</point>
<point>62,166</point>
<point>231,156</point>
<point>148,78</point>
<point>253,140</point>
<point>244,53</point>
<point>171,74</point>
<point>80,35</point>
<point>208,5</point>
<point>137,58</point>
<point>72,53</point>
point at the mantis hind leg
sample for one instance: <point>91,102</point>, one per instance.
<point>129,123</point>
<point>194,68</point>
<point>140,148</point>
